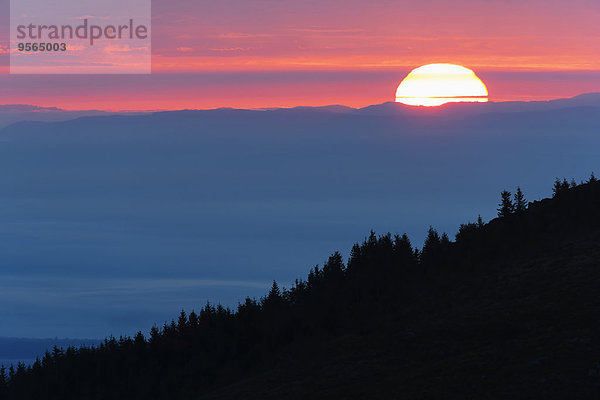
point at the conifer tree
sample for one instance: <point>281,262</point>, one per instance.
<point>3,380</point>
<point>139,339</point>
<point>592,179</point>
<point>154,334</point>
<point>274,293</point>
<point>556,189</point>
<point>560,186</point>
<point>193,319</point>
<point>404,251</point>
<point>334,266</point>
<point>445,241</point>
<point>520,203</point>
<point>274,298</point>
<point>431,252</point>
<point>182,321</point>
<point>506,205</point>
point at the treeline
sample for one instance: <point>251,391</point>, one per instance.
<point>210,348</point>
<point>207,349</point>
<point>510,205</point>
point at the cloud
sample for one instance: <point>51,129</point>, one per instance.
<point>72,47</point>
<point>326,30</point>
<point>126,49</point>
<point>232,49</point>
<point>237,35</point>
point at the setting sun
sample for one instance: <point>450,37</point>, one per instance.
<point>437,84</point>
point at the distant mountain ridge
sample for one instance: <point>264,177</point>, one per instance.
<point>391,108</point>
<point>16,113</point>
<point>11,113</point>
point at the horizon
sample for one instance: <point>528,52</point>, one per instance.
<point>270,108</point>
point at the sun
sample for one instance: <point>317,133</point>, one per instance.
<point>437,84</point>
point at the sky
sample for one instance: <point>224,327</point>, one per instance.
<point>252,54</point>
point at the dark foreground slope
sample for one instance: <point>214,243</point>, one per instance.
<point>521,320</point>
<point>509,310</point>
<point>527,329</point>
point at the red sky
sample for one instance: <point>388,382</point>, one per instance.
<point>250,53</point>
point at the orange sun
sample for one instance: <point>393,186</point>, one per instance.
<point>437,84</point>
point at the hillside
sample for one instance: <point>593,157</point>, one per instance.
<point>528,329</point>
<point>521,324</point>
<point>509,310</point>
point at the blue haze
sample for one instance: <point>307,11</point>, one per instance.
<point>109,224</point>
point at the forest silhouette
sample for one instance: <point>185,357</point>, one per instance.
<point>483,315</point>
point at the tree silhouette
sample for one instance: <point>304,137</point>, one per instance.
<point>182,321</point>
<point>274,298</point>
<point>3,381</point>
<point>334,267</point>
<point>154,334</point>
<point>560,186</point>
<point>193,319</point>
<point>139,339</point>
<point>445,241</point>
<point>592,179</point>
<point>520,203</point>
<point>506,205</point>
<point>432,249</point>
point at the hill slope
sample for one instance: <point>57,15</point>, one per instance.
<point>520,320</point>
<point>509,310</point>
<point>528,328</point>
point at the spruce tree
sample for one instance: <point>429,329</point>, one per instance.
<point>403,251</point>
<point>592,179</point>
<point>182,321</point>
<point>520,201</point>
<point>506,205</point>
<point>557,188</point>
<point>445,241</point>
<point>154,334</point>
<point>431,252</point>
<point>274,298</point>
<point>193,319</point>
<point>139,339</point>
<point>3,380</point>
<point>334,267</point>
